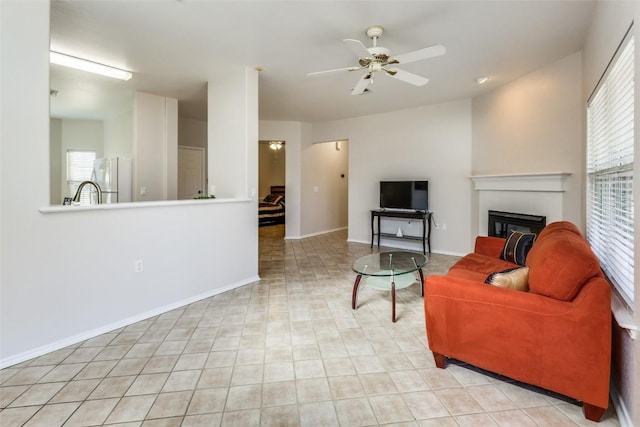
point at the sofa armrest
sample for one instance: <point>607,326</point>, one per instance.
<point>489,246</point>
<point>559,345</point>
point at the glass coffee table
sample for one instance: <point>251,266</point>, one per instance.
<point>389,271</point>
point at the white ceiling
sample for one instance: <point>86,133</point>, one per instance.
<point>172,47</point>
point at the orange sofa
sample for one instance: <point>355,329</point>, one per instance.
<point>556,336</point>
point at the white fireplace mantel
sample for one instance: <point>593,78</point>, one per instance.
<point>546,182</point>
<point>528,193</point>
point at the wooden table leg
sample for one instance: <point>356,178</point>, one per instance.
<point>421,282</point>
<point>393,301</point>
<point>354,298</point>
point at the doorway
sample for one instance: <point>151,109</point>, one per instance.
<point>191,181</point>
<point>271,166</point>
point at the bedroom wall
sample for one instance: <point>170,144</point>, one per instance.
<point>431,142</point>
<point>534,124</point>
<point>610,23</point>
<point>70,275</point>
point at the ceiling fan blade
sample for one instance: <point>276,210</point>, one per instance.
<point>358,48</point>
<point>408,77</point>
<point>362,84</point>
<point>317,73</point>
<point>419,55</point>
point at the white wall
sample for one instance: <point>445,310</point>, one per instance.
<point>610,23</point>
<point>155,147</point>
<point>432,143</point>
<point>118,136</point>
<point>293,133</point>
<point>55,163</point>
<point>78,135</point>
<point>534,124</point>
<point>192,132</point>
<point>324,192</point>
<point>66,276</point>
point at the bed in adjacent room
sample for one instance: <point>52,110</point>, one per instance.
<point>271,209</point>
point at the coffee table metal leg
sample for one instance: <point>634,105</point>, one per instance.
<point>354,298</point>
<point>393,301</point>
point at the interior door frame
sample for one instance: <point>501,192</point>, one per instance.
<point>203,164</point>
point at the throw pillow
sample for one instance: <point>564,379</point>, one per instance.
<point>517,247</point>
<point>269,198</point>
<point>513,278</point>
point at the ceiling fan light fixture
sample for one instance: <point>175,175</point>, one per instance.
<point>481,79</point>
<point>89,66</point>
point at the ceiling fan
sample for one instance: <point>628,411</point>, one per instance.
<point>376,58</point>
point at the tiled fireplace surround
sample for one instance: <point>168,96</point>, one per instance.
<point>536,194</point>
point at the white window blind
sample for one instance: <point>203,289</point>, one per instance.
<point>79,168</point>
<point>610,141</point>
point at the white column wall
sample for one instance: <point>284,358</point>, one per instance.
<point>233,132</point>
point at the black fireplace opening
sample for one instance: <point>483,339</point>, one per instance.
<point>502,224</point>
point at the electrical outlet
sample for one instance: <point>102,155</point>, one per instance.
<point>444,226</point>
<point>143,191</point>
<point>138,266</point>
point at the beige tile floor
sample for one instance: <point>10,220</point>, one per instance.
<point>285,351</point>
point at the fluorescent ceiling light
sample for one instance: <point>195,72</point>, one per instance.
<point>91,67</point>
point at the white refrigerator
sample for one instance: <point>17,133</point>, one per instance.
<point>114,176</point>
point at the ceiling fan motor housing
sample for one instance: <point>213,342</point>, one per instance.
<point>379,53</point>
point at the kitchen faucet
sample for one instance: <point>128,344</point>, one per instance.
<point>76,198</point>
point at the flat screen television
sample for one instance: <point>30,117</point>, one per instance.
<point>404,195</point>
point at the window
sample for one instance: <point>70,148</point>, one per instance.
<point>79,168</point>
<point>610,140</point>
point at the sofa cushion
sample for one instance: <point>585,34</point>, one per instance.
<point>482,264</point>
<point>513,278</point>
<point>560,263</point>
<point>517,247</point>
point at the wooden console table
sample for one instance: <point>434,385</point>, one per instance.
<point>424,216</point>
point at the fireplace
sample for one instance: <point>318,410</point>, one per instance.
<point>501,224</point>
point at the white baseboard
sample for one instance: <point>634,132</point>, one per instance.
<point>319,233</point>
<point>57,345</point>
<point>397,244</point>
<point>624,417</point>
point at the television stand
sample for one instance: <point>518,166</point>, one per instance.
<point>424,216</point>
